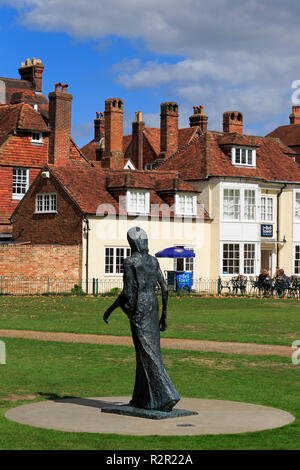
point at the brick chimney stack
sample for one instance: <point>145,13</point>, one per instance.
<point>113,123</point>
<point>168,129</point>
<point>233,122</point>
<point>32,70</point>
<point>199,119</point>
<point>137,141</point>
<point>99,127</point>
<point>60,103</point>
<point>295,116</point>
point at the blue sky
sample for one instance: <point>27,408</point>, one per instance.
<point>221,54</point>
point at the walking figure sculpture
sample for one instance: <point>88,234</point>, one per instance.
<point>153,388</point>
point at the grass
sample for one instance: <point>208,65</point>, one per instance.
<point>45,370</point>
<point>265,321</point>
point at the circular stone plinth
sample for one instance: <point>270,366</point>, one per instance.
<point>214,417</point>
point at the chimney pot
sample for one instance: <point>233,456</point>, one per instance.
<point>32,71</point>
<point>168,129</point>
<point>295,116</point>
<point>60,124</point>
<point>138,127</point>
<point>233,122</point>
<point>98,127</point>
<point>113,124</point>
<point>199,119</point>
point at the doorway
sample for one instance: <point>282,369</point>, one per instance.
<point>266,260</point>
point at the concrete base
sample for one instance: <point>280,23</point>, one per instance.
<point>142,413</point>
<point>214,417</point>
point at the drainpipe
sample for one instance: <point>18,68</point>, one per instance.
<point>86,230</point>
<point>277,229</point>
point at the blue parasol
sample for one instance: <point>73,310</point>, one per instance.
<point>175,252</point>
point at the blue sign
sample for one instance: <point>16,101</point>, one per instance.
<point>266,230</point>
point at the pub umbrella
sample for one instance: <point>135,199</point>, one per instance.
<point>175,252</point>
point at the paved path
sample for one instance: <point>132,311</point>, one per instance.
<point>168,343</point>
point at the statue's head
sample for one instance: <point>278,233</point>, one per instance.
<point>138,240</point>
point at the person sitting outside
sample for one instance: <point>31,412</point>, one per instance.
<point>262,282</point>
<point>282,282</point>
<point>283,276</point>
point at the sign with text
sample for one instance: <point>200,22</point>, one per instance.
<point>266,230</point>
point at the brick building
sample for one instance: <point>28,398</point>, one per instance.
<point>289,134</point>
<point>145,146</point>
<point>33,132</point>
<point>251,188</point>
<point>90,209</point>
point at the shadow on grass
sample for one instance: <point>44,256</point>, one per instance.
<point>78,400</point>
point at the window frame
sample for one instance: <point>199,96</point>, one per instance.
<point>295,216</point>
<point>114,264</point>
<point>243,249</point>
<point>241,204</point>
<point>295,259</point>
<point>19,196</point>
<point>183,212</point>
<point>247,151</point>
<point>135,210</point>
<point>266,219</point>
<point>39,140</point>
<point>43,211</point>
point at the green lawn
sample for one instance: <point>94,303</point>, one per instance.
<point>266,321</point>
<point>47,370</point>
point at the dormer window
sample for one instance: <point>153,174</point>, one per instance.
<point>138,202</point>
<point>36,138</point>
<point>243,156</point>
<point>186,204</point>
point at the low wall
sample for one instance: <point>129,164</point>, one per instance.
<point>41,261</point>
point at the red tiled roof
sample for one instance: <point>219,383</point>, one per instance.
<point>151,134</point>
<point>91,186</point>
<point>205,157</point>
<point>290,134</point>
<point>19,116</point>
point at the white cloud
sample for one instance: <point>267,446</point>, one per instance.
<point>234,54</point>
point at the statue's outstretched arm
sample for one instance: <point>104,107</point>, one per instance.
<point>164,292</point>
<point>127,297</point>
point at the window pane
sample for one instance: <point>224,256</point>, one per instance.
<point>244,161</point>
<point>231,263</point>
<point>249,157</point>
<point>249,200</point>
<point>231,204</point>
<point>297,206</point>
<point>249,258</point>
<point>114,257</point>
<point>20,180</point>
<point>297,260</point>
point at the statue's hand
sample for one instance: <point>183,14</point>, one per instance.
<point>106,316</point>
<point>162,324</point>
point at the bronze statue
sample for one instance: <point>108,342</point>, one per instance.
<point>153,388</point>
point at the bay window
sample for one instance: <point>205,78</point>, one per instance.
<point>238,258</point>
<point>239,204</point>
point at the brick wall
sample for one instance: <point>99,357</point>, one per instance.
<point>63,227</point>
<point>41,261</point>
